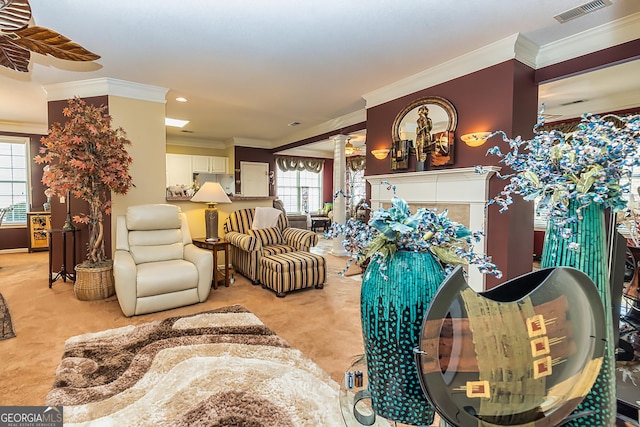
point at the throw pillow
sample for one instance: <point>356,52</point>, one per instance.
<point>267,236</point>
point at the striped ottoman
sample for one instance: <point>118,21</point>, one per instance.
<point>291,271</point>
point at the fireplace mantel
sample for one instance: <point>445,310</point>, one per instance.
<point>463,191</point>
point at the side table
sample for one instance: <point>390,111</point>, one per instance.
<point>323,222</point>
<point>64,273</point>
<point>215,247</point>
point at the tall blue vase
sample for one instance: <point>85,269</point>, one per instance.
<point>590,256</point>
<point>392,311</point>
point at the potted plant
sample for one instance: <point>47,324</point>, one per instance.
<point>575,175</point>
<point>407,256</point>
<point>87,159</point>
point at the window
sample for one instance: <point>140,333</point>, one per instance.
<point>300,191</point>
<point>13,178</point>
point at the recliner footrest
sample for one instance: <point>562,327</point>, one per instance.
<point>291,271</point>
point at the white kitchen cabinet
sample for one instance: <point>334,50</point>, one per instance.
<point>179,170</point>
<point>209,164</point>
<point>218,164</point>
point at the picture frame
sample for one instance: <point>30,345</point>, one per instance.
<point>442,150</point>
<point>400,155</point>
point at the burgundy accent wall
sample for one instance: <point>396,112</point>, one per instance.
<point>13,238</point>
<point>603,58</point>
<point>327,181</point>
<point>77,206</point>
<point>501,97</point>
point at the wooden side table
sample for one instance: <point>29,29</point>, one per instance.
<point>215,247</point>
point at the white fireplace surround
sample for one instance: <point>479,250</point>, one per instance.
<point>444,189</point>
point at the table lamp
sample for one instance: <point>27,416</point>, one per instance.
<point>211,193</point>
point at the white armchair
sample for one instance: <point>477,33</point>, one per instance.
<point>156,266</point>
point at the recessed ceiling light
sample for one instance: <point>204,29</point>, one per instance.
<point>181,99</point>
<point>175,122</point>
<point>293,124</point>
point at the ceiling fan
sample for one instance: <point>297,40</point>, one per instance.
<point>18,39</point>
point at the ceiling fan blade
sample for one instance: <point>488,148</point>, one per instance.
<point>14,14</point>
<point>14,57</point>
<point>48,42</point>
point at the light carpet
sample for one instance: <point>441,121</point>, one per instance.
<point>216,368</point>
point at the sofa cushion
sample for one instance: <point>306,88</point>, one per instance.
<point>164,277</point>
<point>277,249</point>
<point>267,236</point>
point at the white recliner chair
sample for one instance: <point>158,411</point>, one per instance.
<point>156,266</point>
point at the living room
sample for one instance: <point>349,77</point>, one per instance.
<point>494,87</point>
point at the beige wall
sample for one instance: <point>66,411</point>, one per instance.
<point>144,123</point>
<point>195,213</point>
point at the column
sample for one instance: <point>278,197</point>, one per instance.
<point>339,186</point>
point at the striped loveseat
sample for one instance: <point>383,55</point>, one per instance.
<point>249,246</point>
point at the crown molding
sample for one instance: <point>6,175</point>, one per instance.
<point>105,86</point>
<point>23,127</point>
<point>309,152</point>
<point>353,118</point>
<point>515,46</point>
<point>252,143</point>
<point>601,37</point>
<point>195,142</point>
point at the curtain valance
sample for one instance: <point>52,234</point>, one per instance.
<point>299,163</point>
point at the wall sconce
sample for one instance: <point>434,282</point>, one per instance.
<point>475,139</point>
<point>380,154</point>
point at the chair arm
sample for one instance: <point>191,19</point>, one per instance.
<point>300,239</point>
<point>243,241</point>
<point>203,260</point>
<point>124,275</point>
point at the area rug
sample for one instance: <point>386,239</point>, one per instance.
<point>6,327</point>
<point>216,368</point>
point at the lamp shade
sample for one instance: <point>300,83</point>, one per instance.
<point>211,192</point>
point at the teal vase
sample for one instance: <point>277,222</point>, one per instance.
<point>392,311</point>
<point>590,256</point>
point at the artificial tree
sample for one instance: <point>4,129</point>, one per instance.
<point>87,158</point>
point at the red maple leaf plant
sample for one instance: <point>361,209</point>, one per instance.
<point>87,158</point>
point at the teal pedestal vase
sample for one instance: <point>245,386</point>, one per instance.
<point>392,311</point>
<point>586,251</point>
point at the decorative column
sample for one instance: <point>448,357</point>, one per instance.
<point>339,186</point>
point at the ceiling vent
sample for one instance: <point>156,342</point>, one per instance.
<point>582,10</point>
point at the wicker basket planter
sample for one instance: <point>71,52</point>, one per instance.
<point>94,283</point>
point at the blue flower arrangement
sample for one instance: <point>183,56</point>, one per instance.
<point>396,229</point>
<point>588,165</point>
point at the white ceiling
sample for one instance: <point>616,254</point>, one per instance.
<point>250,67</point>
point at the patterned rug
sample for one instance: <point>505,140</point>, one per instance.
<point>216,368</point>
<point>6,329</point>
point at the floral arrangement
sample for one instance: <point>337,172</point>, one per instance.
<point>588,165</point>
<point>88,159</point>
<point>396,229</point>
